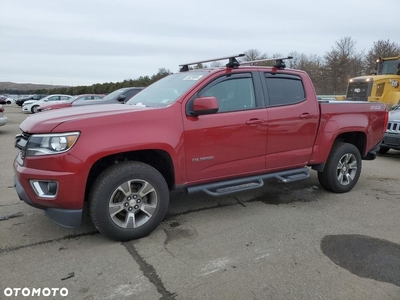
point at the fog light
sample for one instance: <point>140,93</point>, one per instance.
<point>45,188</point>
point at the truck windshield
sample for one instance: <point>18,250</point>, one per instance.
<point>167,90</point>
<point>390,67</point>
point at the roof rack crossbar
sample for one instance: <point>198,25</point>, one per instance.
<point>233,63</point>
<point>279,64</point>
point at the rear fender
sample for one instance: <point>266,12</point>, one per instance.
<point>330,131</point>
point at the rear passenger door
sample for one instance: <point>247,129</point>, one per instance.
<point>293,117</point>
<point>233,141</point>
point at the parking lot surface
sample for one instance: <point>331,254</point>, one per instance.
<point>283,241</point>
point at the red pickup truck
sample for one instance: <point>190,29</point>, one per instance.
<point>218,131</point>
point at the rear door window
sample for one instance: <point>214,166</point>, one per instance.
<point>284,89</point>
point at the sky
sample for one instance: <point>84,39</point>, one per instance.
<point>95,41</point>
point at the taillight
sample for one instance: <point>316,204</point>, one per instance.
<point>1,109</point>
<point>386,121</point>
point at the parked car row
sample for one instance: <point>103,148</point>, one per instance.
<point>62,101</point>
<point>31,106</point>
<point>6,100</point>
<point>73,101</point>
<point>21,101</point>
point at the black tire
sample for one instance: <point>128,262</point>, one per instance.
<point>128,215</point>
<point>383,150</point>
<point>34,109</point>
<point>342,169</point>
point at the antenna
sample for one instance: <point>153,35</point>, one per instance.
<point>233,63</point>
<point>279,63</point>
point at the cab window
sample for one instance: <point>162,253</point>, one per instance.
<point>232,94</point>
<point>284,89</point>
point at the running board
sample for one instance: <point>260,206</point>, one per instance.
<point>248,183</point>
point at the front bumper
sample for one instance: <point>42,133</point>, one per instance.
<point>70,218</point>
<point>63,201</point>
<point>26,109</point>
<point>3,120</point>
<point>391,140</point>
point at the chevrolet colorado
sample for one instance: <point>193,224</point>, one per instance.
<point>217,130</point>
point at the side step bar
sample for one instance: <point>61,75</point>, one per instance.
<point>247,183</point>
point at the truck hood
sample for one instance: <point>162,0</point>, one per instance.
<point>376,77</point>
<point>45,122</point>
<point>55,105</point>
<point>394,115</point>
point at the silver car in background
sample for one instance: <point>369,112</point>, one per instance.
<point>391,139</point>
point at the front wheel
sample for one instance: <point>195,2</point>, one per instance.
<point>342,169</point>
<point>128,201</point>
<point>34,109</point>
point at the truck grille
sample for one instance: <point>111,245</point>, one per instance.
<point>358,91</point>
<point>393,127</point>
<point>21,140</point>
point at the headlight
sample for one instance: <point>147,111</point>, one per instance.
<point>45,144</point>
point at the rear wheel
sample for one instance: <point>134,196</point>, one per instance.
<point>342,169</point>
<point>128,201</point>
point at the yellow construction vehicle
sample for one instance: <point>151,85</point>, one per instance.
<point>383,85</point>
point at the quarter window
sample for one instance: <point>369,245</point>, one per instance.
<point>284,90</point>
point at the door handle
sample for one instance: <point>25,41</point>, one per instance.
<point>306,116</point>
<point>254,121</point>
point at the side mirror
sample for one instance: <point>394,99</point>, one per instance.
<point>204,106</point>
<point>45,100</point>
<point>121,98</point>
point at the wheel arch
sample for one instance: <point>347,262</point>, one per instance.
<point>356,138</point>
<point>158,159</point>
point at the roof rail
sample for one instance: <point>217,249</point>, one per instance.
<point>279,64</point>
<point>233,63</point>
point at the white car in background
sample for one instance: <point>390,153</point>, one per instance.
<point>3,118</point>
<point>31,106</point>
<point>10,101</point>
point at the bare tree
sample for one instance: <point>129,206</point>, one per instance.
<point>341,64</point>
<point>253,54</point>
<point>313,65</point>
<point>380,48</point>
